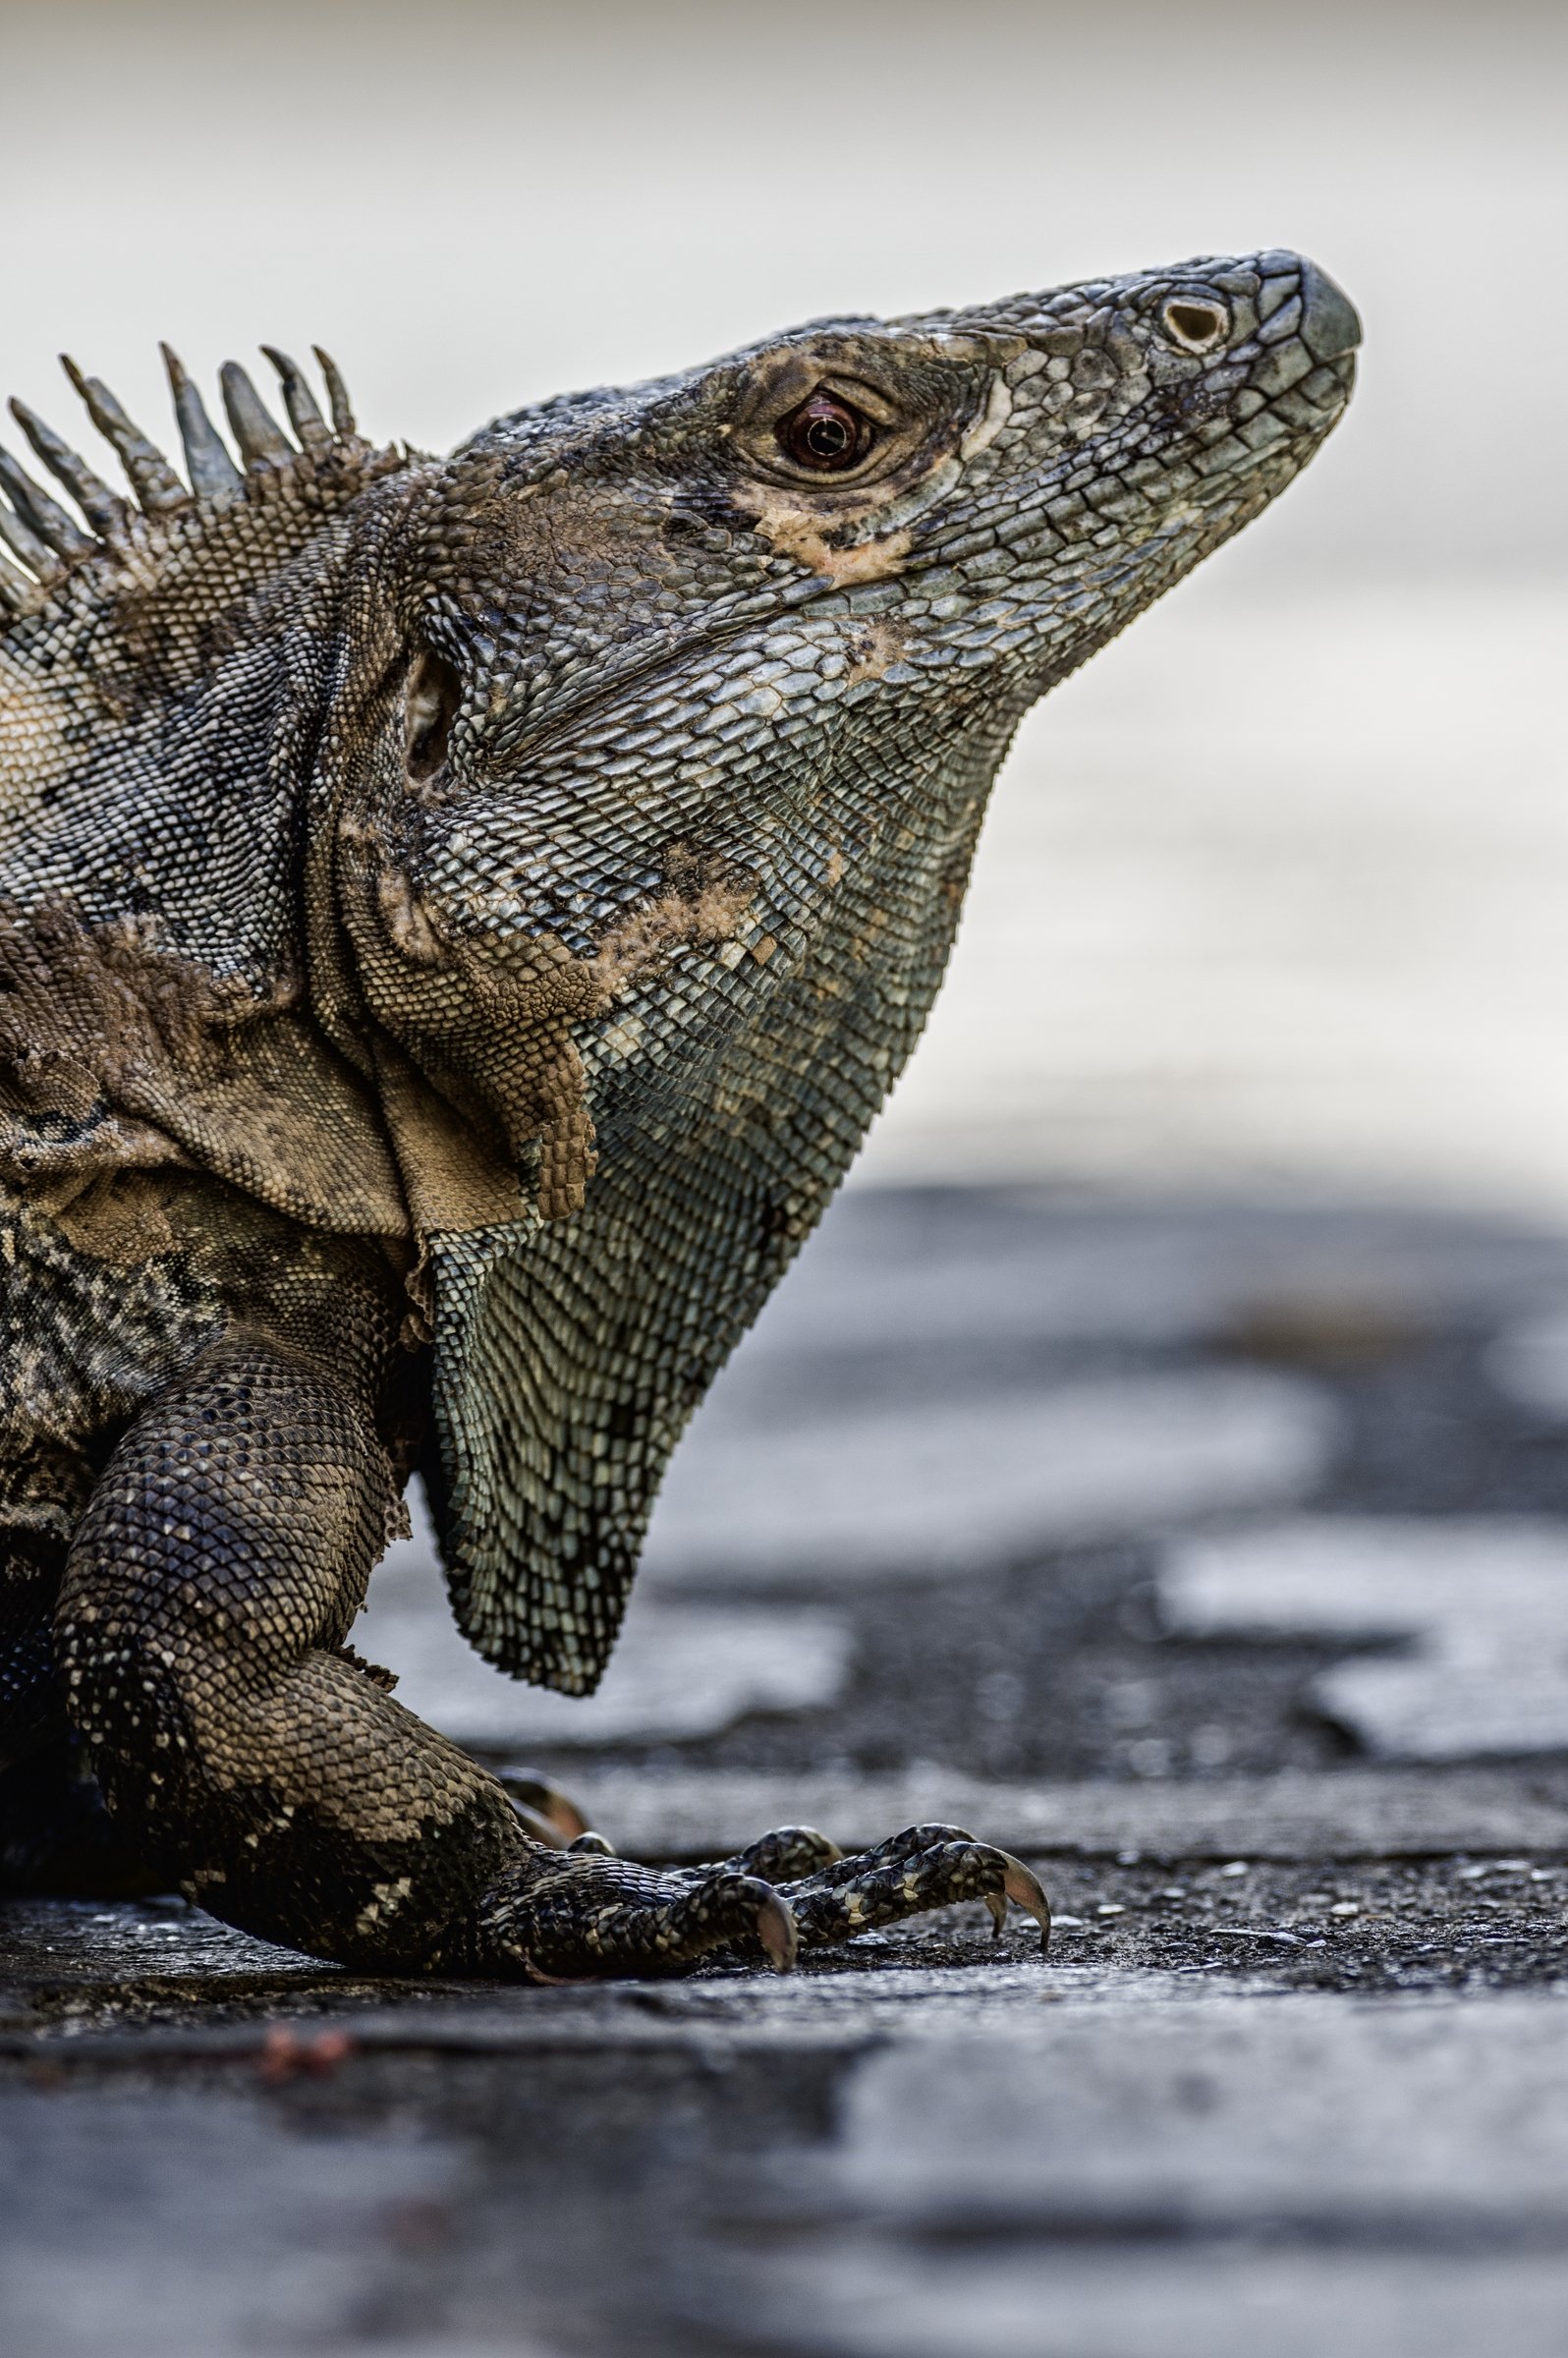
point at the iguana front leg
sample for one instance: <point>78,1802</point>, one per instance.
<point>201,1629</point>
<point>205,1603</point>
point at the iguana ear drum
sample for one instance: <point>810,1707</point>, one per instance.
<point>434,696</point>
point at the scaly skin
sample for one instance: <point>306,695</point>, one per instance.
<point>457,920</point>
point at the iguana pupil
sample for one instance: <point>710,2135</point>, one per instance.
<point>825,433</point>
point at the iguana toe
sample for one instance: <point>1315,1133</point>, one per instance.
<point>926,1867</point>
<point>586,1915</point>
<point>783,1856</point>
<point>551,1816</point>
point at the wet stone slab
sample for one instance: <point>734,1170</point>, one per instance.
<point>1339,2116</point>
<point>876,2298</point>
<point>849,2162</point>
<point>194,2221</point>
<point>702,1814</point>
<point>1481,1601</point>
<point>1189,2176</point>
<point>914,1489</point>
<point>68,1962</point>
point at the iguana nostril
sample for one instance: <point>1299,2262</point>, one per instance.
<point>1329,324</point>
<point>1195,324</point>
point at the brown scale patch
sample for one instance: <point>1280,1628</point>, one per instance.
<point>121,1217</point>
<point>505,1033</point>
<point>153,1059</point>
<point>84,1011</point>
<point>803,533</point>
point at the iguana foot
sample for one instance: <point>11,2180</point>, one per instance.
<point>833,1897</point>
<point>925,1867</point>
<point>583,1914</point>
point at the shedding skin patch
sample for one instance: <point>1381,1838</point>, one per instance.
<point>709,912</point>
<point>517,1005</point>
<point>877,645</point>
<point>406,917</point>
<point>116,1050</point>
<point>801,533</point>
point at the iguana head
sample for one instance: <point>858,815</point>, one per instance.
<point>706,680</point>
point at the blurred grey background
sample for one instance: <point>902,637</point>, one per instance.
<point>1275,895</point>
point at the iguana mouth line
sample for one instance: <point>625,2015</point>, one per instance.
<point>611,686</point>
<point>796,600</point>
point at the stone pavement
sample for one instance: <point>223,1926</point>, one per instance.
<point>1240,1682</point>
<point>1483,1601</point>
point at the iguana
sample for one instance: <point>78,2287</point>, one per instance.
<point>457,920</point>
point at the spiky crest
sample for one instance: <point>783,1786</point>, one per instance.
<point>41,543</point>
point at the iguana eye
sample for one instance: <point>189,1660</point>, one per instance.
<point>826,434</point>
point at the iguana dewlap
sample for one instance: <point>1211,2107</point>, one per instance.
<point>457,920</point>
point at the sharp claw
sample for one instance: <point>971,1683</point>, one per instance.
<point>539,1828</point>
<point>1025,1890</point>
<point>540,1799</point>
<point>775,1928</point>
<point>998,1906</point>
<point>593,1844</point>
